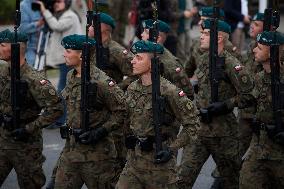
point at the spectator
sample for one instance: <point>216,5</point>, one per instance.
<point>236,14</point>
<point>31,24</point>
<point>62,22</point>
<point>80,8</point>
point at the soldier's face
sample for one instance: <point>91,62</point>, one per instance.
<point>145,35</point>
<point>141,63</point>
<point>256,27</point>
<point>261,53</point>
<point>5,51</point>
<point>205,39</point>
<point>72,57</point>
<point>105,31</point>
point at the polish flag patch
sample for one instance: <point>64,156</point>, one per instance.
<point>125,52</point>
<point>238,68</point>
<point>111,83</point>
<point>178,69</point>
<point>43,82</point>
<point>181,93</point>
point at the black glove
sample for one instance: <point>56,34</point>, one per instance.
<point>218,108</point>
<point>163,156</point>
<point>93,136</point>
<point>20,134</point>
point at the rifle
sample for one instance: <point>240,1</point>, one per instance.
<point>88,88</point>
<point>15,71</point>
<point>158,101</point>
<point>277,88</point>
<point>216,63</point>
<point>102,54</point>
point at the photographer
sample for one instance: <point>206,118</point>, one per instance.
<point>31,24</point>
<point>63,21</point>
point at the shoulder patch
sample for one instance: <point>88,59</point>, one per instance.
<point>238,68</point>
<point>234,48</point>
<point>111,83</point>
<point>178,69</point>
<point>43,81</point>
<point>181,93</point>
<point>125,52</point>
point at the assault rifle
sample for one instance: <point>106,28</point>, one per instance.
<point>102,54</point>
<point>216,63</point>
<point>277,88</point>
<point>88,88</point>
<point>158,101</point>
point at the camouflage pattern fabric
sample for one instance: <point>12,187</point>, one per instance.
<point>263,166</point>
<point>222,133</point>
<point>175,72</point>
<point>94,160</point>
<point>140,170</point>
<point>26,157</point>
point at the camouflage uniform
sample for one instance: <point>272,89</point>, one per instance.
<point>94,165</point>
<point>26,157</point>
<point>264,164</point>
<point>120,9</point>
<point>247,114</point>
<point>174,72</point>
<point>140,170</point>
<point>220,137</point>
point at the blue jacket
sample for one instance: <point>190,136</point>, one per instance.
<point>28,23</point>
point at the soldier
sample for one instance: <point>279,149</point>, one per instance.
<point>89,157</point>
<point>119,58</point>
<point>21,145</point>
<point>256,27</point>
<point>263,165</point>
<point>196,51</point>
<point>140,170</point>
<point>172,68</point>
<point>218,137</point>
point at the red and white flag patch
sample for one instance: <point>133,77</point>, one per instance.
<point>181,93</point>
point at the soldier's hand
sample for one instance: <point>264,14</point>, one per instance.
<point>218,108</point>
<point>93,136</point>
<point>163,156</point>
<point>20,134</point>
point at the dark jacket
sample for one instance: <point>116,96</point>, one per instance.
<point>233,12</point>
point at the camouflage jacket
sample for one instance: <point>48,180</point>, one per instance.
<point>233,89</point>
<point>262,147</point>
<point>196,53</point>
<point>253,68</point>
<point>109,114</point>
<point>119,63</point>
<point>41,106</point>
<point>175,73</point>
<point>179,110</point>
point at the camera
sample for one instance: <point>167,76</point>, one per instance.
<point>47,3</point>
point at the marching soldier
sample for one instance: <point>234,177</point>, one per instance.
<point>89,156</point>
<point>141,171</point>
<point>264,163</point>
<point>21,144</point>
<point>219,127</point>
<point>173,69</point>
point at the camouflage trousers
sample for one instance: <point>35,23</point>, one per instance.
<point>131,178</point>
<point>27,164</point>
<point>95,174</point>
<point>261,173</point>
<point>224,151</point>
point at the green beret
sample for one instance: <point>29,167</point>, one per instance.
<point>222,26</point>
<point>162,26</point>
<point>208,12</point>
<point>147,47</point>
<point>258,17</point>
<point>269,37</point>
<point>107,19</point>
<point>7,36</point>
<point>76,42</point>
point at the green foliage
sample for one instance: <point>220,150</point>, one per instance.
<point>7,10</point>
